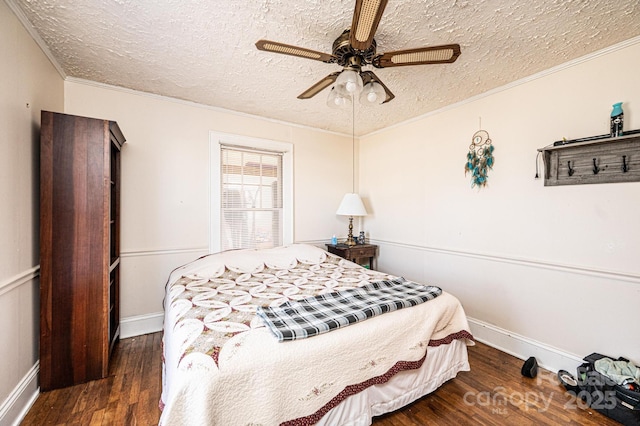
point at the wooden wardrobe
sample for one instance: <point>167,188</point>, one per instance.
<point>79,247</point>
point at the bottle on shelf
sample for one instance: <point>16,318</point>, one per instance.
<point>617,120</point>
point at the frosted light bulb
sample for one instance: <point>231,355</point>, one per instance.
<point>338,98</point>
<point>372,94</point>
<point>350,81</point>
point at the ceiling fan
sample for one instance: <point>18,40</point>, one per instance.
<point>355,48</point>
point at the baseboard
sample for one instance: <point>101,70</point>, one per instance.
<point>522,347</point>
<point>20,400</point>
<point>141,324</point>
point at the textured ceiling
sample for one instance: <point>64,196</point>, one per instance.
<point>204,51</point>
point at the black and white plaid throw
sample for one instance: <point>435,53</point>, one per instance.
<point>326,312</point>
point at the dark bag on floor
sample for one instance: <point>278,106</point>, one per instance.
<point>603,394</point>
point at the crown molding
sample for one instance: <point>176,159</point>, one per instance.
<point>199,105</point>
<point>17,11</point>
<point>541,74</point>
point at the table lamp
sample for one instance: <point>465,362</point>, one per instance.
<point>351,206</point>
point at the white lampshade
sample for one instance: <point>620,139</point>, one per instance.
<point>351,205</point>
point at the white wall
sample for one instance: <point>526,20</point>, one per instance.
<point>165,184</point>
<point>28,84</point>
<point>552,271</point>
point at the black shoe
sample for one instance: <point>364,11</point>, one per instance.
<point>530,368</point>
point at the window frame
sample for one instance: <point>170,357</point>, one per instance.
<point>216,140</point>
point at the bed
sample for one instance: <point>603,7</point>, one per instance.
<point>223,366</point>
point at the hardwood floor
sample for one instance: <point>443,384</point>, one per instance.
<point>129,396</point>
<point>492,393</point>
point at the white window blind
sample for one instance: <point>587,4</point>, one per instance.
<point>251,198</point>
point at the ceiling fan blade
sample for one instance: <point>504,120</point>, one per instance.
<point>319,86</point>
<point>444,54</point>
<point>366,18</point>
<point>287,49</point>
<point>369,76</point>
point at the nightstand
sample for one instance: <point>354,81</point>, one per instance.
<point>355,253</point>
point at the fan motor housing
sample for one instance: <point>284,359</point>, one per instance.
<point>343,51</point>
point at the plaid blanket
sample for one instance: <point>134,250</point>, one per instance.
<point>326,312</point>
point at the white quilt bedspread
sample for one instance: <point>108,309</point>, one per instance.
<point>247,377</point>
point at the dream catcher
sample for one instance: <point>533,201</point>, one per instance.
<point>479,158</point>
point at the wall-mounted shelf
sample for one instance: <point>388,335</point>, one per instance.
<point>600,161</point>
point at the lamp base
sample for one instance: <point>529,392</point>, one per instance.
<point>350,241</point>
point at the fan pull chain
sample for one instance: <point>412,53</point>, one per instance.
<point>353,145</point>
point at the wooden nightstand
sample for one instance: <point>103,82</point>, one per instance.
<point>355,253</point>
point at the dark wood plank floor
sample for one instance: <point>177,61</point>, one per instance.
<point>492,393</point>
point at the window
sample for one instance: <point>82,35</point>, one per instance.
<point>251,198</point>
<point>251,187</point>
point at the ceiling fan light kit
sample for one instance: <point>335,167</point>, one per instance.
<point>356,48</point>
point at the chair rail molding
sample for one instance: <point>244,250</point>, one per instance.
<point>19,279</point>
<point>534,263</point>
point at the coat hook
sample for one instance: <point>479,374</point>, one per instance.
<point>625,166</point>
<point>596,169</point>
<point>571,170</point>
